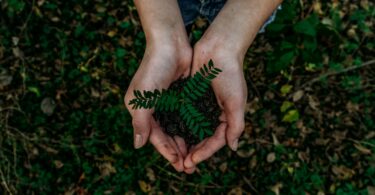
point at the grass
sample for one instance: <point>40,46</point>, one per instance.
<point>65,67</point>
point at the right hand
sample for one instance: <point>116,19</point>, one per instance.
<point>162,64</point>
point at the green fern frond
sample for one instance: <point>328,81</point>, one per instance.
<point>166,100</point>
<point>198,85</point>
<point>195,120</point>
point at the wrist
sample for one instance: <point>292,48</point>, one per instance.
<point>220,49</point>
<point>174,52</point>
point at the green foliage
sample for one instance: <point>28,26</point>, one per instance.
<point>170,100</point>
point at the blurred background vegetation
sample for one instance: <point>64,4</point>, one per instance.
<point>65,66</point>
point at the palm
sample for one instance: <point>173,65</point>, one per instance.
<point>157,71</point>
<point>230,90</point>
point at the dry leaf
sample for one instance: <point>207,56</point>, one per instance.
<point>145,187</point>
<point>112,33</point>
<point>343,172</point>
<point>200,22</point>
<point>100,9</point>
<point>48,105</point>
<point>40,2</point>
<point>15,41</point>
<point>5,79</point>
<point>271,157</point>
<point>321,141</point>
<point>117,148</point>
<point>58,164</point>
<point>318,7</point>
<point>351,107</point>
<point>313,103</point>
<point>223,167</point>
<point>275,140</point>
<point>276,188</point>
<point>55,19</point>
<point>321,193</point>
<point>245,153</point>
<point>298,95</point>
<point>18,53</point>
<point>106,169</point>
<point>253,162</point>
<point>362,149</point>
<point>236,191</point>
<point>370,135</point>
<point>150,174</point>
<point>371,190</point>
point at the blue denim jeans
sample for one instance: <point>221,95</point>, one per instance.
<point>191,9</point>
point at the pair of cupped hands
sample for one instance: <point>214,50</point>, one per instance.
<point>169,58</point>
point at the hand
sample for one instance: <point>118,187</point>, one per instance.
<point>226,42</point>
<point>167,57</point>
<point>161,65</point>
<point>231,93</point>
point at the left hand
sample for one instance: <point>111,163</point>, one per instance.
<point>226,42</point>
<point>231,93</point>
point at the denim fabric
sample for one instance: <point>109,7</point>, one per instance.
<point>191,9</point>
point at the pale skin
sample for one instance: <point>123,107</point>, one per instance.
<point>169,56</point>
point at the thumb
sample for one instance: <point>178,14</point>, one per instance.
<point>236,125</point>
<point>142,126</point>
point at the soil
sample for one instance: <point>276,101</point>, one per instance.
<point>173,124</point>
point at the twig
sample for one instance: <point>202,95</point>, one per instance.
<point>4,183</point>
<point>361,142</point>
<point>248,182</point>
<point>332,73</point>
<point>28,18</point>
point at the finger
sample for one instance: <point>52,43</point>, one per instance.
<point>188,163</point>
<point>166,147</point>
<point>190,170</point>
<point>222,117</point>
<point>206,150</point>
<point>181,145</point>
<point>179,165</point>
<point>236,125</point>
<point>142,127</point>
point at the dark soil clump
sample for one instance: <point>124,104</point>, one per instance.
<point>173,124</point>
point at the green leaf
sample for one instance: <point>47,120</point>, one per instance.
<point>307,26</point>
<point>195,129</point>
<point>35,90</point>
<point>210,63</point>
<point>205,68</point>
<point>281,62</point>
<point>286,105</point>
<point>291,116</point>
<point>120,52</point>
<point>201,134</point>
<point>205,124</point>
<point>285,89</point>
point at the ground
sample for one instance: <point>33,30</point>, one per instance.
<point>65,67</point>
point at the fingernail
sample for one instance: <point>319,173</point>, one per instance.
<point>138,141</point>
<point>235,145</point>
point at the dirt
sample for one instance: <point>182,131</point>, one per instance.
<point>173,124</point>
